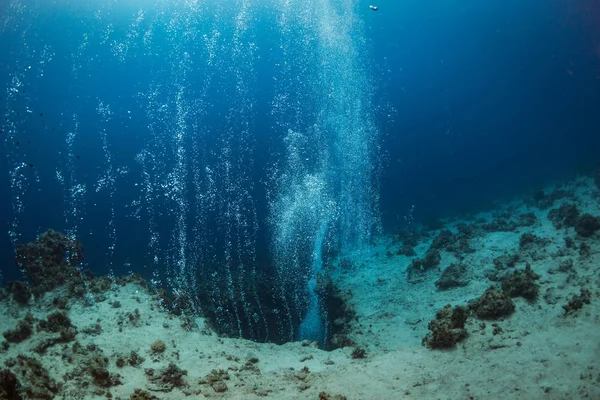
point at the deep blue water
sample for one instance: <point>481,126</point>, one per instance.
<point>472,103</point>
<point>500,98</point>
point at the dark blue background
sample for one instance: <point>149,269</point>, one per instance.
<point>516,84</point>
<point>475,103</point>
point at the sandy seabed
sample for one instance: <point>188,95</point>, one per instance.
<point>547,346</point>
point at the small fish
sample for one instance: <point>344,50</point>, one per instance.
<point>374,8</point>
<point>30,165</point>
<point>78,157</point>
<point>17,143</point>
<point>41,114</point>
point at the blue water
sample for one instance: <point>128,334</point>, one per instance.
<point>158,133</point>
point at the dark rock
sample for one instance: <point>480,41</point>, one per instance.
<point>585,250</point>
<point>528,219</point>
<point>98,370</point>
<point>492,304</point>
<point>444,239</point>
<point>219,386</point>
<point>564,216</point>
<point>408,237</point>
<point>55,322</point>
<point>327,396</point>
<point>420,265</point>
<point>61,303</point>
<point>9,386</point>
<point>135,360</point>
<point>453,276</point>
<point>35,381</point>
<point>340,340</point>
<point>522,283</point>
<point>23,330</point>
<point>566,265</point>
<point>406,250</point>
<point>120,362</point>
<point>359,353</point>
<point>506,261</point>
<point>528,241</point>
<point>454,243</point>
<point>587,225</point>
<point>169,378</point>
<point>500,225</point>
<point>577,301</point>
<point>50,261</point>
<point>497,329</point>
<point>544,201</point>
<point>339,309</point>
<point>216,379</point>
<point>99,284</point>
<point>570,243</point>
<point>139,394</point>
<point>467,230</point>
<point>20,291</point>
<point>432,259</point>
<point>448,328</point>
